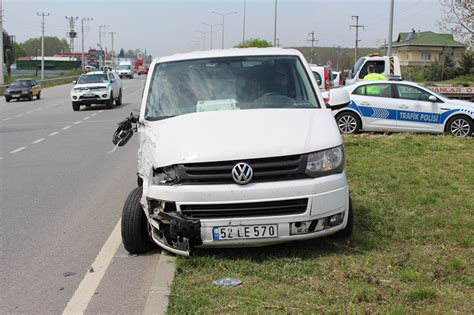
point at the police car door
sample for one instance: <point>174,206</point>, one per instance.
<point>377,107</point>
<point>416,111</point>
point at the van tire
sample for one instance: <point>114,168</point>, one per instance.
<point>75,106</point>
<point>135,237</point>
<point>348,122</point>
<point>347,231</point>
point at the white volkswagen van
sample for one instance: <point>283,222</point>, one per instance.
<point>236,148</point>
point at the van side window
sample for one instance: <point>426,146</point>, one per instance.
<point>378,64</point>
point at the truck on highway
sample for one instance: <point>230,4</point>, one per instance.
<point>236,148</point>
<point>388,66</point>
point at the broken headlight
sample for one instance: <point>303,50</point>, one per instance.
<point>325,162</point>
<point>165,176</point>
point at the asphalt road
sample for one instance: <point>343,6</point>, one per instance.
<point>61,195</point>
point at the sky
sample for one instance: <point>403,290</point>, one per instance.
<point>164,27</point>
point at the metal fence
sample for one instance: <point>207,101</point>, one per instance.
<point>65,79</point>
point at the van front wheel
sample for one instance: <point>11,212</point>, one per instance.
<point>347,231</point>
<point>135,236</point>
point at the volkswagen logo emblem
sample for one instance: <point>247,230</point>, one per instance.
<point>242,173</point>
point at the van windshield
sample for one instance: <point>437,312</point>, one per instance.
<point>357,66</point>
<point>93,78</point>
<point>124,67</point>
<point>228,83</point>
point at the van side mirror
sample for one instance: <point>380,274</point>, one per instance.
<point>432,99</point>
<point>125,130</point>
<point>338,98</point>
<point>74,82</point>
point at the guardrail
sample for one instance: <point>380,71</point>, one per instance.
<point>69,78</point>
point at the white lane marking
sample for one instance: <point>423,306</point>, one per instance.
<point>100,111</point>
<point>38,141</point>
<point>77,122</point>
<point>8,118</point>
<point>81,298</point>
<point>85,118</point>
<point>53,134</point>
<point>17,150</point>
<point>41,108</point>
<point>93,114</point>
<point>1,158</point>
<point>19,115</point>
<point>29,112</point>
<point>67,127</point>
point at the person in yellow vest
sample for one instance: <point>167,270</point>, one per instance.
<point>373,76</point>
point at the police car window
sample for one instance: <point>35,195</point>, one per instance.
<point>361,90</point>
<point>379,90</point>
<point>412,93</point>
<point>379,67</point>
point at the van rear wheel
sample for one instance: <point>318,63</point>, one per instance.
<point>135,236</point>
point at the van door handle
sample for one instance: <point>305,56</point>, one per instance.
<point>403,106</point>
<point>364,103</point>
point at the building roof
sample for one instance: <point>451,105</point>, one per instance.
<point>426,39</point>
<point>233,52</point>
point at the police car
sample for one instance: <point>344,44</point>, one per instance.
<point>403,106</point>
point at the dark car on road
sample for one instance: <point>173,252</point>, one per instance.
<point>22,88</point>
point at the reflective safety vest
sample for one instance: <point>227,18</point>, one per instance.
<point>374,89</point>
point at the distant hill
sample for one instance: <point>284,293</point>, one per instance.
<point>346,55</point>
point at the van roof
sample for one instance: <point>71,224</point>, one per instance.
<point>233,52</point>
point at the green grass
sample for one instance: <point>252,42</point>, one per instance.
<point>411,251</point>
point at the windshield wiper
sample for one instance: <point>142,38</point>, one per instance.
<point>150,118</point>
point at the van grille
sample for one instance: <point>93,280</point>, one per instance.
<point>251,209</point>
<point>264,170</point>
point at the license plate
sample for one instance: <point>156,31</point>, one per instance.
<point>89,94</point>
<point>16,95</point>
<point>222,233</point>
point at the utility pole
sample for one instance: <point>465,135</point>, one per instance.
<point>356,26</point>
<point>390,29</point>
<point>42,42</point>
<point>72,32</point>
<point>223,23</point>
<point>275,27</point>
<point>83,60</point>
<point>243,31</point>
<point>100,42</point>
<point>312,40</point>
<point>1,43</point>
<point>113,51</point>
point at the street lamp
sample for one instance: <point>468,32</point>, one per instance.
<point>212,27</point>
<point>275,29</point>
<point>203,34</point>
<point>223,22</point>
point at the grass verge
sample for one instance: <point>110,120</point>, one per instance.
<point>411,251</point>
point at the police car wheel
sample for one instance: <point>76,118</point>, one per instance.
<point>348,122</point>
<point>460,126</point>
<point>135,228</point>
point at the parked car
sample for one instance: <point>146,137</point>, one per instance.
<point>336,79</point>
<point>98,87</point>
<point>403,106</point>
<point>321,74</point>
<point>236,148</point>
<point>22,88</point>
<point>142,70</point>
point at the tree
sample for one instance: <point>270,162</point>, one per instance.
<point>130,54</point>
<point>121,53</point>
<point>458,18</point>
<point>466,63</point>
<point>254,42</point>
<point>19,51</point>
<point>52,45</point>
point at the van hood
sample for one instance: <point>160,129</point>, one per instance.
<point>91,85</point>
<point>236,135</point>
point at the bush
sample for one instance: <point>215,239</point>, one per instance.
<point>254,42</point>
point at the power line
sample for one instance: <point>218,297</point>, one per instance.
<point>357,40</point>
<point>42,42</point>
